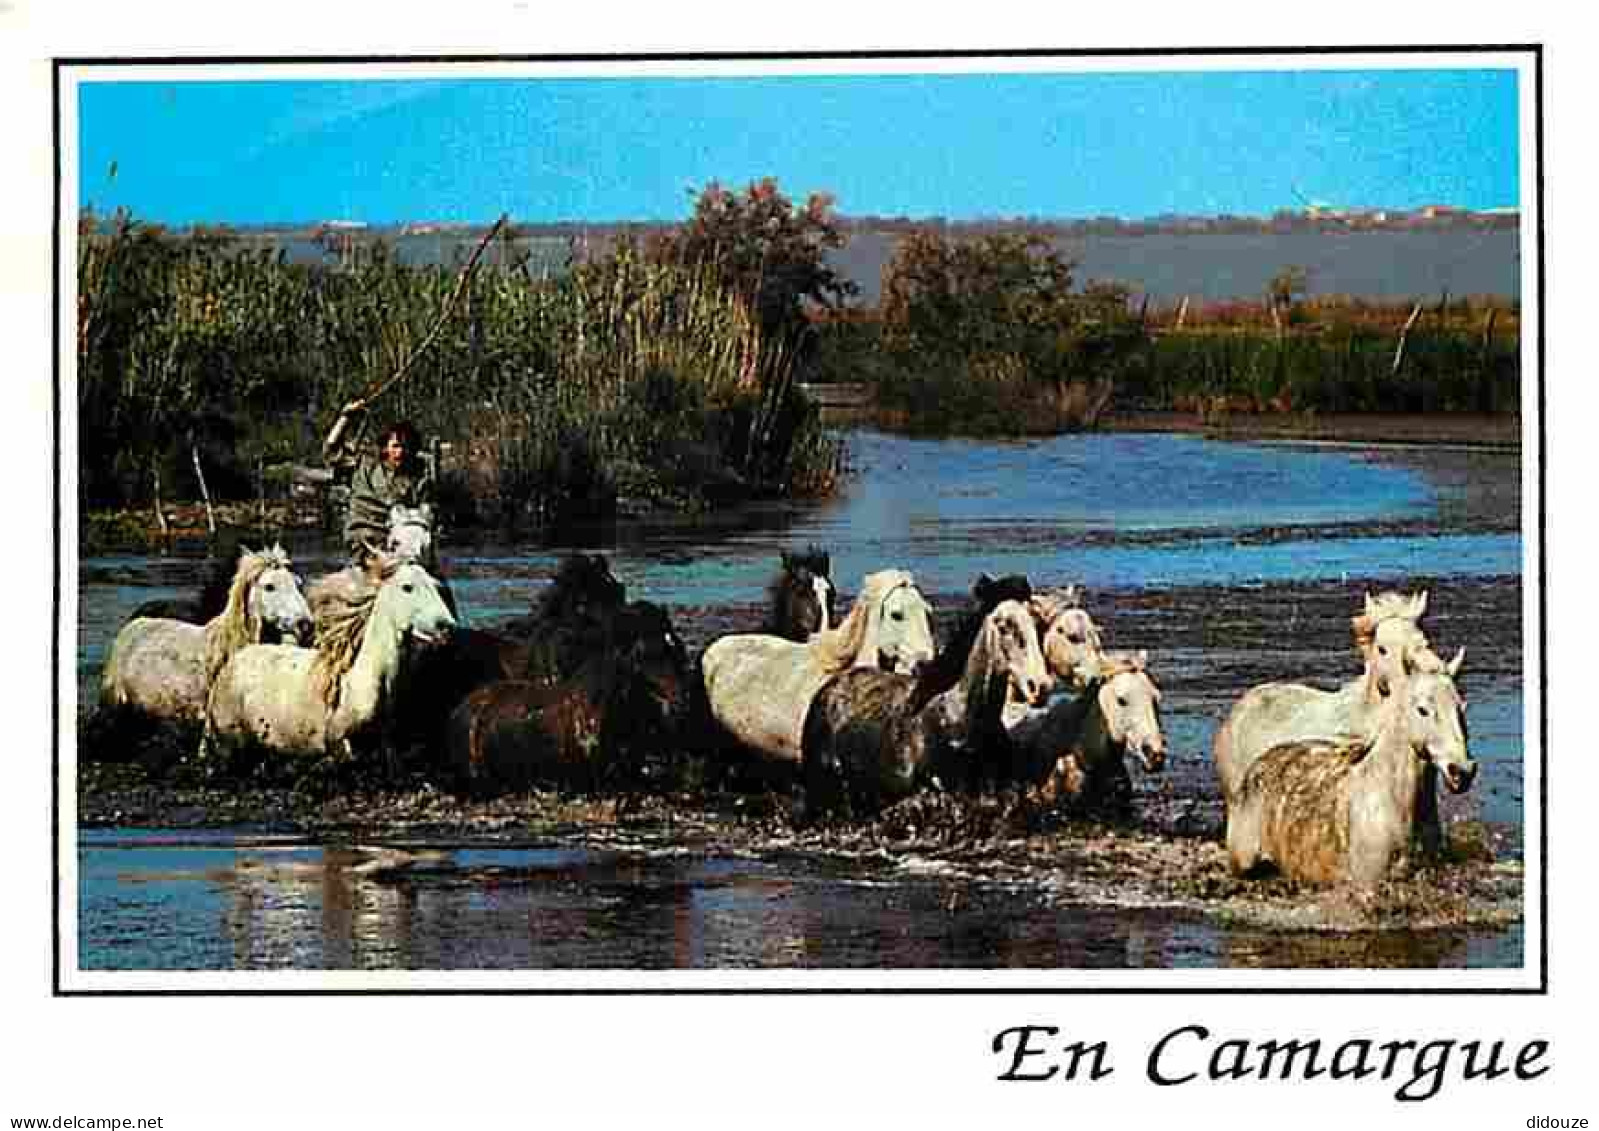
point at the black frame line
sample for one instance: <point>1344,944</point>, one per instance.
<point>58,63</point>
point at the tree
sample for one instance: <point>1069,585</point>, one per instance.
<point>770,252</point>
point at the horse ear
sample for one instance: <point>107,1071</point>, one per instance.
<point>1140,660</point>
<point>1371,606</point>
<point>1453,667</point>
<point>1418,605</point>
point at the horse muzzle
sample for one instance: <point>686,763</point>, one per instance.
<point>1458,777</point>
<point>434,635</point>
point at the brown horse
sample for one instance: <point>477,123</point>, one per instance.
<point>596,728</point>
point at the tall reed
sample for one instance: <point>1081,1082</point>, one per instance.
<point>556,397</point>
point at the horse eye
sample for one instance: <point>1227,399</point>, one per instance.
<point>407,587</point>
<point>1422,711</point>
<point>1121,700</point>
<point>271,588</point>
<point>1075,637</point>
<point>1382,649</point>
<point>896,615</point>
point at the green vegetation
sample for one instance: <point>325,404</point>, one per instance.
<point>989,336</point>
<point>663,371</point>
<point>647,374</point>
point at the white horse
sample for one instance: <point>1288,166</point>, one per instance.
<point>1070,638</point>
<point>1076,749</point>
<point>758,687</point>
<point>1390,640</point>
<point>164,668</point>
<point>1324,811</point>
<point>313,700</point>
<point>411,534</point>
<point>870,736</point>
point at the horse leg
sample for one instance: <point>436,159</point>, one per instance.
<point>1429,823</point>
<point>1243,836</point>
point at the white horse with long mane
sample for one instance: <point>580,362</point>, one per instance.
<point>1325,811</point>
<point>758,687</point>
<point>311,701</point>
<point>164,668</point>
<point>1389,636</point>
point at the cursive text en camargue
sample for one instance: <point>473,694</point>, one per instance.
<point>1193,1054</point>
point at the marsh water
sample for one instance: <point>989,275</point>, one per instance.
<point>1231,563</point>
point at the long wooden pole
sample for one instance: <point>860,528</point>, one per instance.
<point>465,277</point>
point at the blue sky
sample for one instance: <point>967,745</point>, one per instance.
<point>960,146</point>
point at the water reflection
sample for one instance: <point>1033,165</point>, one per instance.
<point>452,909</point>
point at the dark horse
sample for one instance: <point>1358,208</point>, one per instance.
<point>567,624</point>
<point>802,596</point>
<point>871,737</point>
<point>567,620</point>
<point>599,726</point>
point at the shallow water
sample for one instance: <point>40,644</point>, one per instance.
<point>1231,563</point>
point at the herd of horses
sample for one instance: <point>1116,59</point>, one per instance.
<point>592,691</point>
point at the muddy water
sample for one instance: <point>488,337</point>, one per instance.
<point>1231,563</point>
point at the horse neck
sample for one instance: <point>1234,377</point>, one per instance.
<point>370,676</point>
<point>1390,765</point>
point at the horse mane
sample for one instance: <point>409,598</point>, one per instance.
<point>341,605</point>
<point>1112,664</point>
<point>235,626</point>
<point>1051,603</point>
<point>221,569</point>
<point>814,559</point>
<point>949,663</point>
<point>579,577</point>
<point>1386,605</point>
<point>837,648</point>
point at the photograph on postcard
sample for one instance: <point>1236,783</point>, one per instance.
<point>1008,522</point>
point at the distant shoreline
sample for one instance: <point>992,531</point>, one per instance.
<point>1500,431</point>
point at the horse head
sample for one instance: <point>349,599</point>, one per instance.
<point>583,586</point>
<point>408,599</point>
<point>274,603</point>
<point>1070,639</point>
<point>1435,719</point>
<point>903,629</point>
<point>804,595</point>
<point>1130,703</point>
<point>1010,640</point>
<point>1395,648</point>
<point>410,532</point>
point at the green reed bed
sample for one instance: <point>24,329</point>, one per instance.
<point>621,381</point>
<point>1329,356</point>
